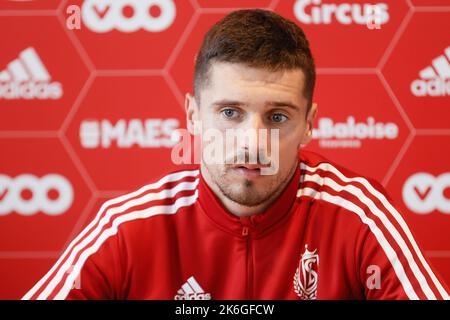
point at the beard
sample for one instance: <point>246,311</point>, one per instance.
<point>247,192</point>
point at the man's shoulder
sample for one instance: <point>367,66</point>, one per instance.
<point>336,185</point>
<point>314,163</point>
<point>177,180</point>
<point>182,174</point>
<point>166,195</point>
<point>343,199</point>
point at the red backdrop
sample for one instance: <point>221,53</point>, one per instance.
<point>87,111</point>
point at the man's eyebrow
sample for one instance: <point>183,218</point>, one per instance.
<point>284,104</point>
<point>226,102</point>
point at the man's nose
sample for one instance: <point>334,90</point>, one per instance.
<point>260,136</point>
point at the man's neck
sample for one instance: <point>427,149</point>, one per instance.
<point>239,209</point>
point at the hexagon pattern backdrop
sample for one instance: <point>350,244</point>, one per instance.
<point>91,92</point>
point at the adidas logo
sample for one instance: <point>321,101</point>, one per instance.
<point>434,80</point>
<point>27,78</point>
<point>191,290</point>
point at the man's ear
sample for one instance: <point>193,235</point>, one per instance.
<point>191,107</point>
<point>310,118</point>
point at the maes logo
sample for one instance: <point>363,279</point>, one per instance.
<point>149,133</point>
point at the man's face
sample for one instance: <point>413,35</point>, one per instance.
<point>240,97</point>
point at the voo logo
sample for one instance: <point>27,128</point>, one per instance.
<point>316,12</point>
<point>128,15</point>
<point>27,194</point>
<point>423,193</point>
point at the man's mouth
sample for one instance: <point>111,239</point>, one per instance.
<point>249,171</point>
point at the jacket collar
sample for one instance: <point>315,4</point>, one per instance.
<point>254,225</point>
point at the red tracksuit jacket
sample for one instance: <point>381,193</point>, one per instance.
<point>330,235</point>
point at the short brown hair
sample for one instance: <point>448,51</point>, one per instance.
<point>258,38</point>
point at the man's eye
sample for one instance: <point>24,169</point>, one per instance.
<point>229,113</point>
<point>278,117</point>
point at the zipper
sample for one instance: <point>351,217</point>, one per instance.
<point>249,257</point>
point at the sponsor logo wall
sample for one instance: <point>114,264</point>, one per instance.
<point>91,112</point>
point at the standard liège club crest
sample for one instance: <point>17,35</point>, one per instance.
<point>305,279</point>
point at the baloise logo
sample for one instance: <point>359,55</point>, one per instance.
<point>350,134</point>
<point>27,194</point>
<point>128,15</point>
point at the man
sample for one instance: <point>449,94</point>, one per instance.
<point>226,230</point>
